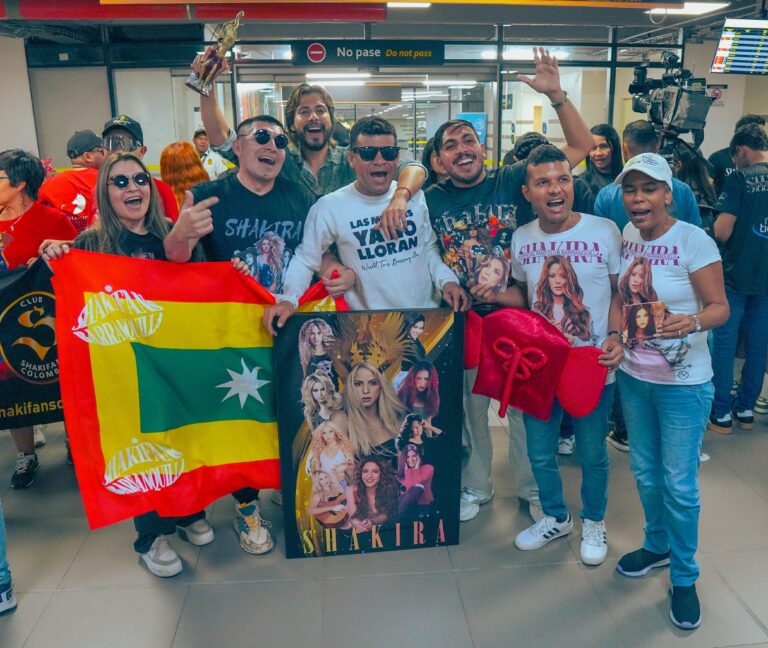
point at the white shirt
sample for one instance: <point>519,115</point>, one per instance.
<point>213,164</point>
<point>404,273</point>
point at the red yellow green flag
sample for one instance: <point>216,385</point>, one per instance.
<point>167,380</point>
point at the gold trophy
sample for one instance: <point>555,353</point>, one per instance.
<point>226,35</point>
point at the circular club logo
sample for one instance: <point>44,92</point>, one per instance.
<point>28,338</point>
<point>316,53</point>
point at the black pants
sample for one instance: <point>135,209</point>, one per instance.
<point>151,525</point>
<point>245,495</point>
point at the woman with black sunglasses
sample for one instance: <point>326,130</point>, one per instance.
<point>132,223</point>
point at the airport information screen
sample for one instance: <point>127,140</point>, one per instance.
<point>743,48</point>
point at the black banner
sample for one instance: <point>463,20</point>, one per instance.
<point>367,52</point>
<point>29,364</point>
<point>369,410</point>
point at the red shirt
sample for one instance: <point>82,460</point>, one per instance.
<point>21,237</point>
<point>170,206</point>
<point>73,193</point>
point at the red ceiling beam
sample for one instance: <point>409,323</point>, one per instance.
<point>92,10</point>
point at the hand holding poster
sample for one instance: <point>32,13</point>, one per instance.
<point>369,412</point>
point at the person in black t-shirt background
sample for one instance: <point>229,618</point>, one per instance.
<point>742,227</point>
<point>721,161</point>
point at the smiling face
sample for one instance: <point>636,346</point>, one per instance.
<point>324,481</point>
<point>492,273</point>
<point>132,203</point>
<point>646,200</point>
<point>328,434</point>
<point>416,330</point>
<point>312,122</point>
<point>319,393</point>
<point>375,177</point>
<point>370,474</point>
<point>367,387</point>
<point>601,155</point>
<point>259,163</point>
<point>462,156</point>
<point>412,458</point>
<point>422,380</point>
<point>549,189</point>
<point>556,279</point>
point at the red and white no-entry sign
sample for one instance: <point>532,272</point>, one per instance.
<point>316,52</point>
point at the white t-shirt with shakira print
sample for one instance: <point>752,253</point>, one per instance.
<point>659,270</point>
<point>568,275</point>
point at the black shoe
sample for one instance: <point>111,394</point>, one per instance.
<point>685,612</point>
<point>24,473</point>
<point>720,424</point>
<point>640,562</point>
<point>617,437</point>
<point>745,419</point>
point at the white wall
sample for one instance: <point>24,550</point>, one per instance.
<point>67,100</point>
<point>17,122</point>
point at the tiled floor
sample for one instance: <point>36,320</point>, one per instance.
<point>81,588</point>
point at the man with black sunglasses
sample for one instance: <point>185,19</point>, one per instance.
<point>256,216</point>
<point>389,274</point>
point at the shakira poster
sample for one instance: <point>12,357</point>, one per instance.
<point>369,410</point>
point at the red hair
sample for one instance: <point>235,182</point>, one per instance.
<point>408,392</point>
<point>180,167</point>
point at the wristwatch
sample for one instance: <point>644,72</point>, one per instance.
<point>696,324</point>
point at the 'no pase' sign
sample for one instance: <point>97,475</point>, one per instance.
<point>367,52</point>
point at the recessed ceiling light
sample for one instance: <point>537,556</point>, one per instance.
<point>691,9</point>
<point>465,83</point>
<point>409,5</point>
<point>341,82</point>
<point>339,75</point>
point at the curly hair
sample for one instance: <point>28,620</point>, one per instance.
<point>386,490</point>
<point>408,393</point>
<point>578,316</point>
<point>275,254</point>
<point>318,445</point>
<point>646,292</point>
<point>294,101</point>
<point>180,167</point>
<point>318,490</point>
<point>311,406</point>
<point>406,430</point>
<point>305,349</point>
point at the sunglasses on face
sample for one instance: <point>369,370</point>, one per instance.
<point>368,153</point>
<point>262,136</point>
<point>121,181</point>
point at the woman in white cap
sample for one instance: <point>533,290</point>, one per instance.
<point>667,412</point>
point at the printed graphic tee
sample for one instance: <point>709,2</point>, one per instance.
<point>567,275</point>
<point>745,195</point>
<point>263,230</point>
<point>402,273</point>
<point>659,271</point>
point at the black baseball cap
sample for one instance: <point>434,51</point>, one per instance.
<point>82,142</point>
<point>199,131</point>
<point>125,122</point>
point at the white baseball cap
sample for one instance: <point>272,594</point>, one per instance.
<point>651,164</point>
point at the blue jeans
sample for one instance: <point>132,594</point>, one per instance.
<point>666,426</point>
<point>753,309</point>
<point>590,432</point>
<point>5,573</point>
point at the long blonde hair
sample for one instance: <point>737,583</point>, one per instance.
<point>305,349</point>
<point>390,409</point>
<point>318,445</point>
<point>107,234</point>
<point>311,406</point>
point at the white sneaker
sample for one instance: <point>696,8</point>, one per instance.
<point>199,533</point>
<point>594,545</point>
<point>535,510</point>
<point>161,559</point>
<point>565,445</point>
<point>468,510</point>
<point>251,529</point>
<point>37,431</point>
<point>544,531</point>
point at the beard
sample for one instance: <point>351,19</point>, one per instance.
<point>304,143</point>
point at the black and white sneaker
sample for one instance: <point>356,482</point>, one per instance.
<point>720,424</point>
<point>543,532</point>
<point>618,438</point>
<point>685,611</point>
<point>639,563</point>
<point>745,419</point>
<point>27,466</point>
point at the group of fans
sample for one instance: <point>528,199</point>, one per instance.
<point>614,258</point>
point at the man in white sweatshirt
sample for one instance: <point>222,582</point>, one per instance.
<point>407,272</point>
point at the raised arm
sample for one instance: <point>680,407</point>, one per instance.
<point>214,122</point>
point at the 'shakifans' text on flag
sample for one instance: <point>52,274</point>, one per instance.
<point>167,380</point>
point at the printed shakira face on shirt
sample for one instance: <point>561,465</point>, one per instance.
<point>374,177</point>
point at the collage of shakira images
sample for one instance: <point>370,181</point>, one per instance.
<point>369,418</point>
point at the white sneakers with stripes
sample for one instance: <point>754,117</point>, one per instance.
<point>544,531</point>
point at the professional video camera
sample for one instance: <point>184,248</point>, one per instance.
<point>674,104</point>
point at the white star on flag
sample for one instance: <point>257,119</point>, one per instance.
<point>244,385</point>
